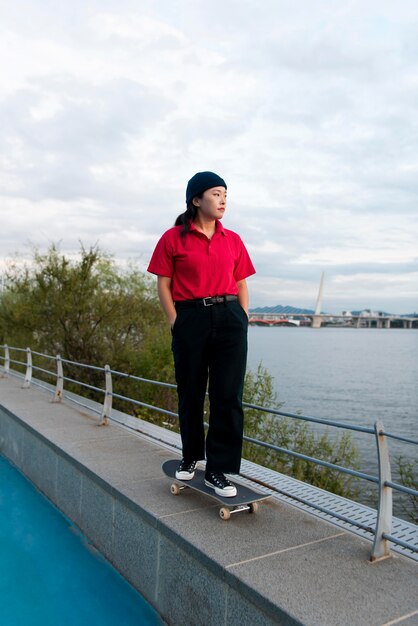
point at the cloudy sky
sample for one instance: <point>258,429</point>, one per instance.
<point>308,109</point>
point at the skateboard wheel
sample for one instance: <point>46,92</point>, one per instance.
<point>224,513</point>
<point>253,507</point>
<point>175,489</point>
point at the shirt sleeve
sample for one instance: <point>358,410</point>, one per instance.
<point>162,258</point>
<point>243,265</point>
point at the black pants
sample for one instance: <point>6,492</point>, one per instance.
<point>210,343</point>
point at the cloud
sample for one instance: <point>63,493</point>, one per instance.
<point>307,109</point>
<point>64,130</point>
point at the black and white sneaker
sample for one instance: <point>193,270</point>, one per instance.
<point>185,470</point>
<point>222,486</point>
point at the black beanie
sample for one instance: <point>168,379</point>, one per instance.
<point>202,181</point>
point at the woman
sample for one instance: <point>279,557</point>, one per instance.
<point>201,269</point>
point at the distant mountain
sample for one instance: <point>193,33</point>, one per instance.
<point>279,309</point>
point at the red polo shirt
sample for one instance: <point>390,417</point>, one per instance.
<point>200,267</point>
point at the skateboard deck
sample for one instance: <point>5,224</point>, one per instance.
<point>246,499</point>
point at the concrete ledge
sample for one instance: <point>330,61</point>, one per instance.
<point>154,558</point>
<point>282,566</point>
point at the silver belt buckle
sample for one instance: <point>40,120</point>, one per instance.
<point>207,303</point>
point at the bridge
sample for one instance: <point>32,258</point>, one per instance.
<point>364,319</point>
<point>316,320</point>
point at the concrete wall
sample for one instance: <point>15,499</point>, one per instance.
<point>150,555</point>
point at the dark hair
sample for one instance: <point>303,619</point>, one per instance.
<point>189,215</point>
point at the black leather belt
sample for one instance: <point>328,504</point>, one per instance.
<point>209,301</point>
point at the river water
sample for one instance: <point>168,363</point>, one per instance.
<point>348,375</point>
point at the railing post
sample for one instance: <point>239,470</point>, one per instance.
<point>6,366</point>
<point>28,375</point>
<point>107,404</point>
<point>381,546</point>
<point>59,387</point>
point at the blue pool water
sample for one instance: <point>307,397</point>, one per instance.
<point>49,573</point>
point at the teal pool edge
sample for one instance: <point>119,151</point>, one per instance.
<point>50,571</point>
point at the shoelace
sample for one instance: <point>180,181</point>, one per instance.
<point>219,480</point>
<point>187,467</point>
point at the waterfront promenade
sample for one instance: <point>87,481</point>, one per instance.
<point>282,566</point>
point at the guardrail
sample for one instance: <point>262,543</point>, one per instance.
<point>382,532</point>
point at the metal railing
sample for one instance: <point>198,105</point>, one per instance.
<point>382,531</point>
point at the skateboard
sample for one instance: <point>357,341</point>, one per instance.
<point>246,499</point>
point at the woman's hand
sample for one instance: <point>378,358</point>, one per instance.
<point>166,299</point>
<point>243,294</point>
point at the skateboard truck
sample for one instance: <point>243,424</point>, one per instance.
<point>225,512</point>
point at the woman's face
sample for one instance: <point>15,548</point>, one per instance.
<point>212,204</point>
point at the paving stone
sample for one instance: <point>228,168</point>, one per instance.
<point>154,495</point>
<point>275,527</point>
<point>333,583</point>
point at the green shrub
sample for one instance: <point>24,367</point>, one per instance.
<point>297,436</point>
<point>408,475</point>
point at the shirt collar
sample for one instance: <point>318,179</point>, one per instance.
<point>219,228</point>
